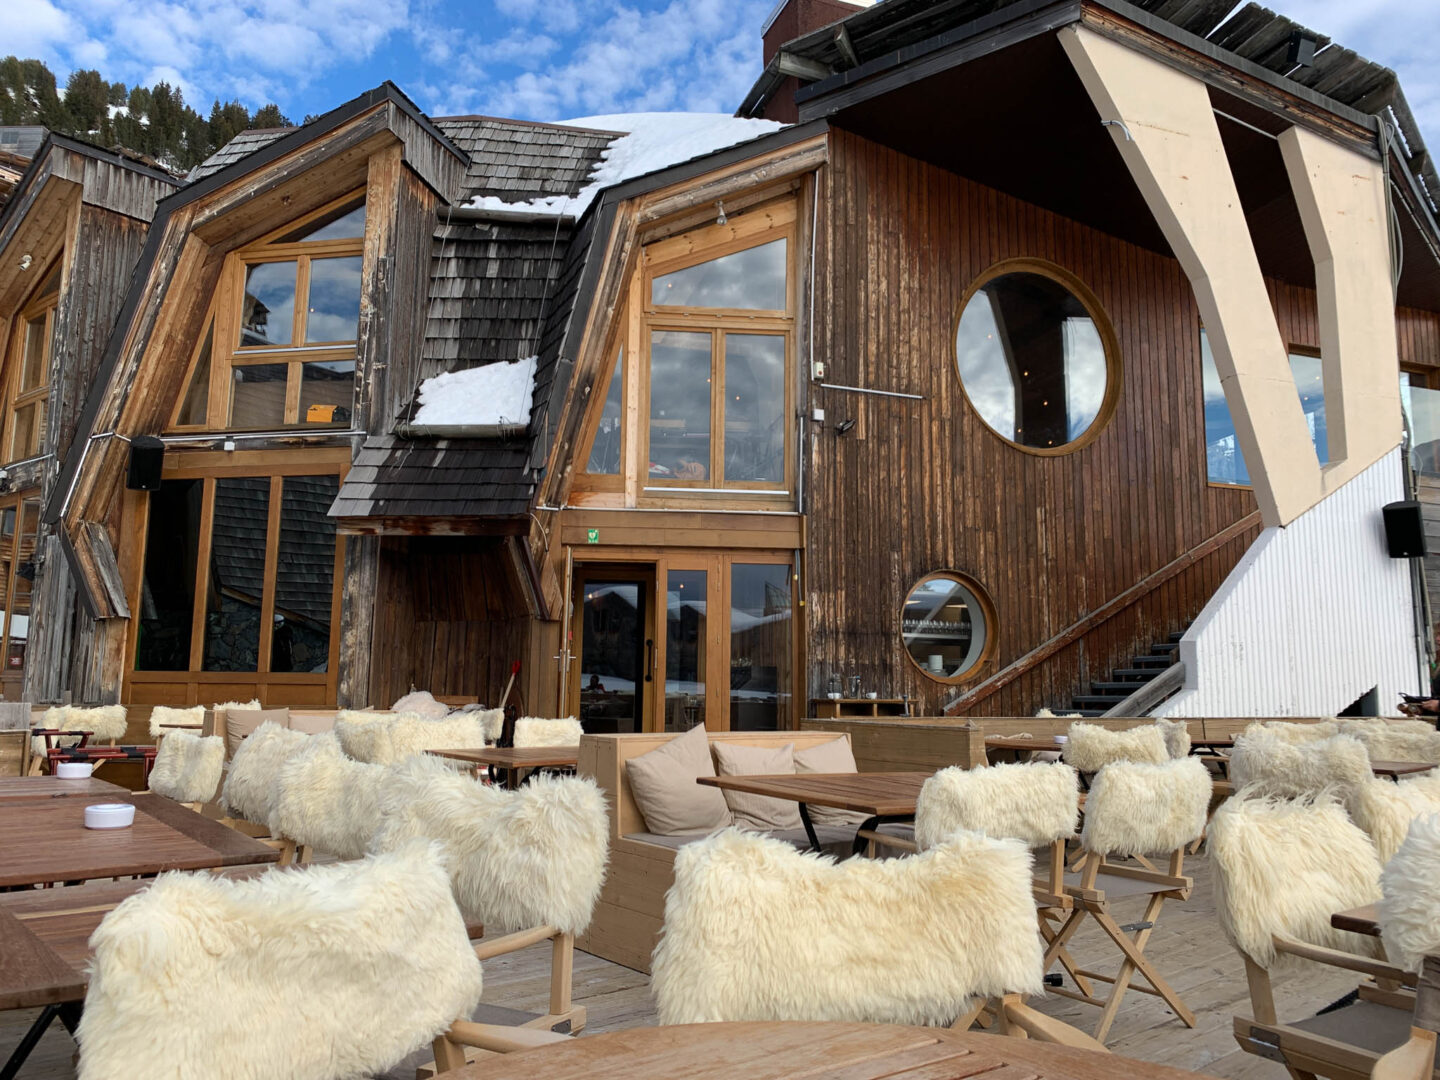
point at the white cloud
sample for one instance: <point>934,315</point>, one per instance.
<point>34,28</point>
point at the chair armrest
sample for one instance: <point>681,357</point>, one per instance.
<point>1349,961</point>
<point>1046,1028</point>
<point>886,840</point>
<point>1412,1060</point>
<point>500,1039</point>
<point>485,950</point>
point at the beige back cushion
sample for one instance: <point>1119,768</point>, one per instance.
<point>312,723</point>
<point>239,723</point>
<point>757,812</point>
<point>834,756</point>
<point>663,785</point>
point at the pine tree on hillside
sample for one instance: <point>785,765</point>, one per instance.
<point>270,116</point>
<point>87,101</point>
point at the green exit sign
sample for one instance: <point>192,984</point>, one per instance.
<point>592,536</point>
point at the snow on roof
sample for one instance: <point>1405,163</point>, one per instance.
<point>492,395</point>
<point>654,140</point>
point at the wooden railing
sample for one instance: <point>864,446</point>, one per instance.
<point>1150,694</point>
<point>1108,610</point>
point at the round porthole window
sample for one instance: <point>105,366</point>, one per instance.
<point>1037,359</point>
<point>946,626</point>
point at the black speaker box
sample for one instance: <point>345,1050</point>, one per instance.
<point>147,458</point>
<point>1405,530</point>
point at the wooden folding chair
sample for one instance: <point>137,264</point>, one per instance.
<point>1132,810</point>
<point>1415,1058</point>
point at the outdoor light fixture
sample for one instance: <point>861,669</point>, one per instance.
<point>1302,49</point>
<point>844,425</point>
<point>720,218</point>
<point>25,262</point>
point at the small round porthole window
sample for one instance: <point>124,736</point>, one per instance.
<point>946,626</point>
<point>1036,357</point>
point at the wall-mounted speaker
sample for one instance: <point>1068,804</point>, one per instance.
<point>147,459</point>
<point>1405,530</point>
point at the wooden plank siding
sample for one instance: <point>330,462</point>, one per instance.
<point>920,486</point>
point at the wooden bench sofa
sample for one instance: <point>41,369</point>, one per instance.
<point>632,903</point>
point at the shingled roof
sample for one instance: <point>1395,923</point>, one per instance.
<point>517,160</point>
<point>247,142</point>
<point>395,477</point>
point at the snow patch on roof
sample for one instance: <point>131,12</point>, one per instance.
<point>492,395</point>
<point>653,141</point>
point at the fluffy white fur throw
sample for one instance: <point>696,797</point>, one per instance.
<point>328,973</point>
<point>518,859</point>
<point>422,703</point>
<point>1410,904</point>
<point>187,767</point>
<point>1385,745</point>
<point>1271,766</point>
<point>1284,867</point>
<point>227,706</point>
<point>1177,737</point>
<point>106,723</point>
<point>1385,810</point>
<point>1090,747</point>
<point>755,930</point>
<point>326,801</point>
<point>165,719</point>
<point>1290,732</point>
<point>249,791</point>
<point>1355,725</point>
<point>1033,803</point>
<point>1142,809</point>
<point>533,731</point>
<point>385,738</point>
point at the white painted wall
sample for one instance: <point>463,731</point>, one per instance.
<point>1313,616</point>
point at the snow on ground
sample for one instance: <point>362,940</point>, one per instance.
<point>655,140</point>
<point>493,394</point>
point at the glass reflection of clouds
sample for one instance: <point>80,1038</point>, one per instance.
<point>753,279</point>
<point>1032,360</point>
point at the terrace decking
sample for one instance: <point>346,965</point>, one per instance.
<point>1187,946</point>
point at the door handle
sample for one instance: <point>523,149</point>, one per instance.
<point>649,659</point>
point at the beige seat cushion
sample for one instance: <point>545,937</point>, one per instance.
<point>311,723</point>
<point>663,785</point>
<point>834,756</point>
<point>239,723</point>
<point>757,812</point>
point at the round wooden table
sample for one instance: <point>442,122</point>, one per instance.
<point>765,1051</point>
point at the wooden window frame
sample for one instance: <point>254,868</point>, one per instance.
<point>226,312</point>
<point>15,553</point>
<point>209,467</point>
<point>1109,341</point>
<point>16,399</point>
<point>987,608</point>
<point>585,480</point>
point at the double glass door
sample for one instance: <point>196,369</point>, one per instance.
<point>682,641</point>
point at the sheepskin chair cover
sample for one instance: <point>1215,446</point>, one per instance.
<point>1142,809</point>
<point>1410,900</point>
<point>106,723</point>
<point>1284,867</point>
<point>1035,803</point>
<point>1270,766</point>
<point>385,738</point>
<point>187,767</point>
<point>1385,810</point>
<point>231,706</point>
<point>531,857</point>
<point>1355,725</point>
<point>756,930</point>
<point>421,703</point>
<point>1290,732</point>
<point>249,790</point>
<point>1385,745</point>
<point>166,718</point>
<point>533,731</point>
<point>1090,747</point>
<point>322,974</point>
<point>1177,737</point>
<point>326,801</point>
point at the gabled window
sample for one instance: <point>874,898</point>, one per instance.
<point>27,370</point>
<point>278,350</point>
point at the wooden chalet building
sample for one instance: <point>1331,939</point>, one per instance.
<point>1040,333</point>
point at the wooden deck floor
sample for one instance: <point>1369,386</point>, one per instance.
<point>1187,945</point>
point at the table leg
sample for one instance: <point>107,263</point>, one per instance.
<point>69,1014</point>
<point>809,831</point>
<point>869,825</point>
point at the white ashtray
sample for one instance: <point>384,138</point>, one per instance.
<point>74,770</point>
<point>113,815</point>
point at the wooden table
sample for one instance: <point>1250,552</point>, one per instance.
<point>44,840</point>
<point>810,1051</point>
<point>514,760</point>
<point>52,787</point>
<point>1017,745</point>
<point>1361,920</point>
<point>1396,769</point>
<point>882,797</point>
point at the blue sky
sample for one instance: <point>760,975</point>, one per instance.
<point>535,59</point>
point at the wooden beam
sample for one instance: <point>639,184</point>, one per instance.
<point>845,47</point>
<point>809,70</point>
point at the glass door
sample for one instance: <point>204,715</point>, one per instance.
<point>687,646</point>
<point>616,651</point>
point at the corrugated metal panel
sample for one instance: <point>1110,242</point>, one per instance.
<point>1314,615</point>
